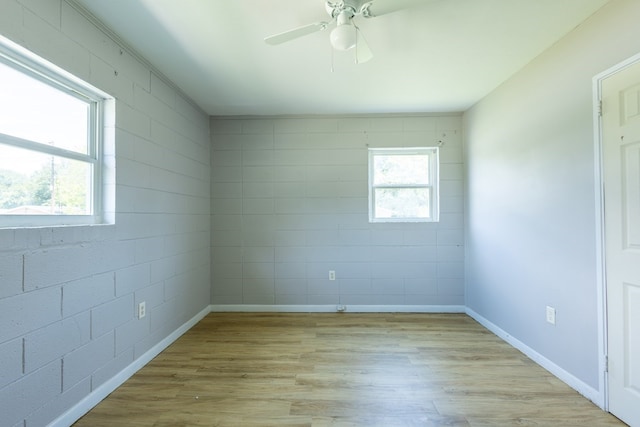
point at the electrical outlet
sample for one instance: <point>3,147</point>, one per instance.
<point>142,309</point>
<point>551,315</point>
<point>332,275</point>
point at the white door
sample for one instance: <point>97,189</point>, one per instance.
<point>621,172</point>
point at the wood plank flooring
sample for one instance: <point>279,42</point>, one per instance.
<point>343,369</point>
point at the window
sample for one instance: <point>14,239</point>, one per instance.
<point>403,185</point>
<point>50,143</point>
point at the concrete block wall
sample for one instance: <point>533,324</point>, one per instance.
<point>68,295</point>
<point>289,203</point>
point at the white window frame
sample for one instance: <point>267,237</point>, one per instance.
<point>432,186</point>
<point>32,65</point>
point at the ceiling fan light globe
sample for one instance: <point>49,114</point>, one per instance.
<point>343,37</point>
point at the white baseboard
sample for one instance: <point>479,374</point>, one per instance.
<point>578,385</point>
<point>82,407</point>
<point>334,308</point>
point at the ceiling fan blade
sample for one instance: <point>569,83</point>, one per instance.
<point>363,53</point>
<point>295,33</point>
<point>382,7</point>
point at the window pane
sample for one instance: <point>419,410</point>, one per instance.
<point>34,183</point>
<point>400,169</point>
<point>33,110</point>
<point>401,203</point>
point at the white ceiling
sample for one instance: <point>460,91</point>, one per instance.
<point>440,56</point>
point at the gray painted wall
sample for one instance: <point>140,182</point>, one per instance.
<point>289,203</point>
<point>68,294</point>
<point>531,205</point>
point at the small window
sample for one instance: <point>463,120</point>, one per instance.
<point>403,185</point>
<point>50,143</point>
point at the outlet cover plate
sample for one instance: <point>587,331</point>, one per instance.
<point>142,309</point>
<point>551,315</point>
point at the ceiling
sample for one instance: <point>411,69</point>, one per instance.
<point>437,56</point>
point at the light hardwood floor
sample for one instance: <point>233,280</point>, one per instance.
<point>344,369</point>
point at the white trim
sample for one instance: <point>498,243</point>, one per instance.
<point>28,64</point>
<point>581,387</point>
<point>40,147</point>
<point>249,308</point>
<point>601,286</point>
<point>27,61</point>
<point>433,154</point>
<point>600,231</point>
<point>86,404</point>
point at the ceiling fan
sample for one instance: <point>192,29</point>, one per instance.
<point>346,35</point>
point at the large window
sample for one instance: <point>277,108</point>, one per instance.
<point>50,143</point>
<point>403,184</point>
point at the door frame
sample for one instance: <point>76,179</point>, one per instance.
<point>601,278</point>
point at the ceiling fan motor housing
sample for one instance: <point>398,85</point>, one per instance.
<point>350,7</point>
